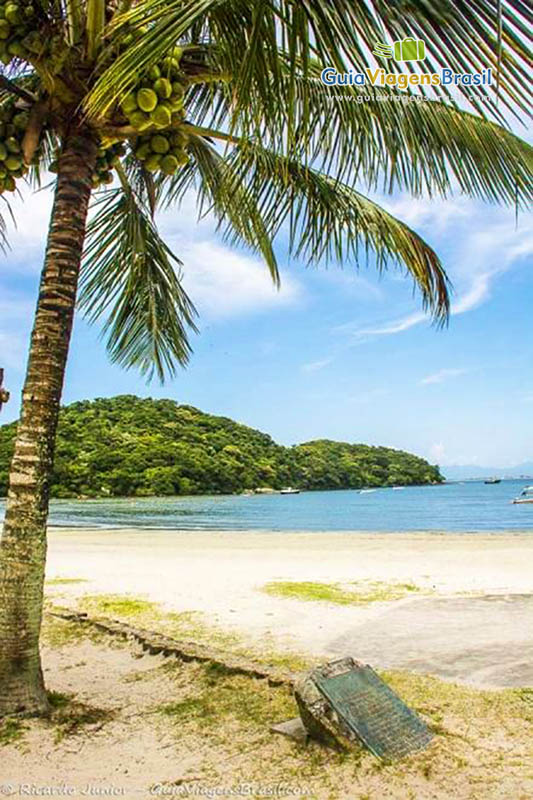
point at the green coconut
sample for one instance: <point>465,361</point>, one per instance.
<point>171,66</point>
<point>163,87</point>
<point>13,14</point>
<point>176,103</point>
<point>146,100</point>
<point>140,120</point>
<point>152,162</point>
<point>169,164</point>
<point>3,151</point>
<point>13,145</point>
<point>20,120</point>
<point>179,138</point>
<point>154,73</point>
<point>181,155</point>
<point>17,49</point>
<point>13,163</point>
<point>29,11</point>
<point>5,29</point>
<point>159,144</point>
<point>9,184</point>
<point>129,104</point>
<point>161,116</point>
<point>143,151</point>
<point>177,53</point>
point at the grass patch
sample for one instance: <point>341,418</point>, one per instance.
<point>482,743</point>
<point>59,633</point>
<point>119,605</point>
<point>11,731</point>
<point>64,581</point>
<point>360,593</point>
<point>219,698</point>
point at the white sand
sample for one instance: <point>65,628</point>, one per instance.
<point>221,573</point>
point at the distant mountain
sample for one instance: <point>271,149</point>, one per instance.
<point>142,447</point>
<point>462,473</point>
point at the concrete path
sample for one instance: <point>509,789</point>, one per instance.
<point>484,641</point>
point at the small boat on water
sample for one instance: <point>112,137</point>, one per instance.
<point>289,490</point>
<point>525,496</point>
<point>366,491</point>
<point>493,480</point>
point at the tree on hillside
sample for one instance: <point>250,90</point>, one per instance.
<point>149,100</point>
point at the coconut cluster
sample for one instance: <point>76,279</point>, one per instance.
<point>157,100</point>
<point>108,157</point>
<point>13,124</point>
<point>163,152</point>
<point>19,37</point>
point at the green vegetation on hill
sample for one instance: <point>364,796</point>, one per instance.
<point>127,445</point>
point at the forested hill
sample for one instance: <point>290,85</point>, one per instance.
<point>127,445</point>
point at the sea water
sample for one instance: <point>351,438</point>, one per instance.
<point>459,507</point>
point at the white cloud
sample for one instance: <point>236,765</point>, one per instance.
<point>314,366</point>
<point>221,281</point>
<point>386,329</point>
<point>442,375</point>
<point>480,258</point>
<point>16,317</point>
<point>224,283</point>
<point>419,212</point>
<point>27,236</point>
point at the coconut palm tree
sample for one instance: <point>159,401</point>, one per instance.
<point>147,102</point>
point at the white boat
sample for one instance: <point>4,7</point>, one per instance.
<point>366,491</point>
<point>525,496</point>
<point>289,490</point>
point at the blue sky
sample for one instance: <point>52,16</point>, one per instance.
<point>335,353</point>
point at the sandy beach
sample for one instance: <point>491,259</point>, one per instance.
<point>469,619</point>
<point>128,724</point>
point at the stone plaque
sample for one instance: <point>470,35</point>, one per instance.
<point>357,703</point>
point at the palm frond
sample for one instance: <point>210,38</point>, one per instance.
<point>95,23</point>
<point>323,218</point>
<point>465,35</point>
<point>389,138</point>
<point>4,242</point>
<point>328,220</point>
<point>131,278</point>
<point>219,190</point>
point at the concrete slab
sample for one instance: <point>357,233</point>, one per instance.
<point>482,641</point>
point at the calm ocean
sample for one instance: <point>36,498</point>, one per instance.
<point>471,506</point>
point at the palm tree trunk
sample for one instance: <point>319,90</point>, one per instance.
<point>23,542</point>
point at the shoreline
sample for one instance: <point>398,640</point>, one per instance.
<point>297,531</point>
